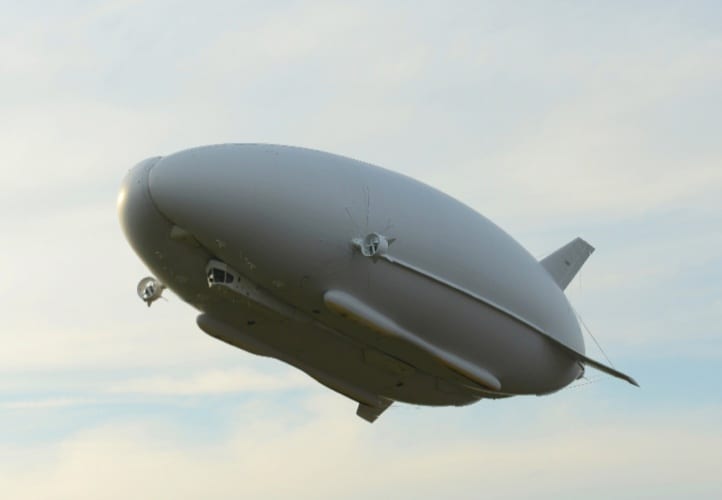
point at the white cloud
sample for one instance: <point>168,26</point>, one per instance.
<point>215,382</point>
<point>41,404</point>
<point>602,152</point>
<point>329,453</point>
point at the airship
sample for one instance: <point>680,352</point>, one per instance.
<point>378,286</point>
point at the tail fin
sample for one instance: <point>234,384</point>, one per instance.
<point>564,264</point>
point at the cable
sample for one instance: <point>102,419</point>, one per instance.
<point>587,381</point>
<point>593,338</point>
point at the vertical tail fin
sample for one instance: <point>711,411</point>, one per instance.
<point>564,264</point>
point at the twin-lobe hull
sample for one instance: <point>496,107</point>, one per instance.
<point>472,313</point>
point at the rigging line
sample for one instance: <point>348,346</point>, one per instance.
<point>593,338</point>
<point>586,382</point>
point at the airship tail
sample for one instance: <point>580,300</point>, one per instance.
<point>564,264</point>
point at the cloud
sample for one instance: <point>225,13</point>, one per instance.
<point>215,382</point>
<point>41,404</point>
<point>607,151</point>
<point>326,452</point>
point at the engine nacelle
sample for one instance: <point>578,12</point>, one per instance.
<point>150,289</point>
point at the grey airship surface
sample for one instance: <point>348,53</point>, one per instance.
<point>376,285</point>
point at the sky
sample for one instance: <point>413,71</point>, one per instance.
<point>554,119</point>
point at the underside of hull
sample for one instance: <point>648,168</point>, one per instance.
<point>362,373</point>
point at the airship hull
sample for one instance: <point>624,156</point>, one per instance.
<point>452,310</point>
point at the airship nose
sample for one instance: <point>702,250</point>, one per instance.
<point>200,191</point>
<point>139,218</point>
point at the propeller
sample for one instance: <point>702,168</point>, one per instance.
<point>150,289</point>
<point>373,244</point>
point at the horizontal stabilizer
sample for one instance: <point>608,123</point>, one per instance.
<point>610,371</point>
<point>595,364</point>
<point>564,264</point>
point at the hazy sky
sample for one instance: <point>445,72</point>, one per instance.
<point>554,119</point>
